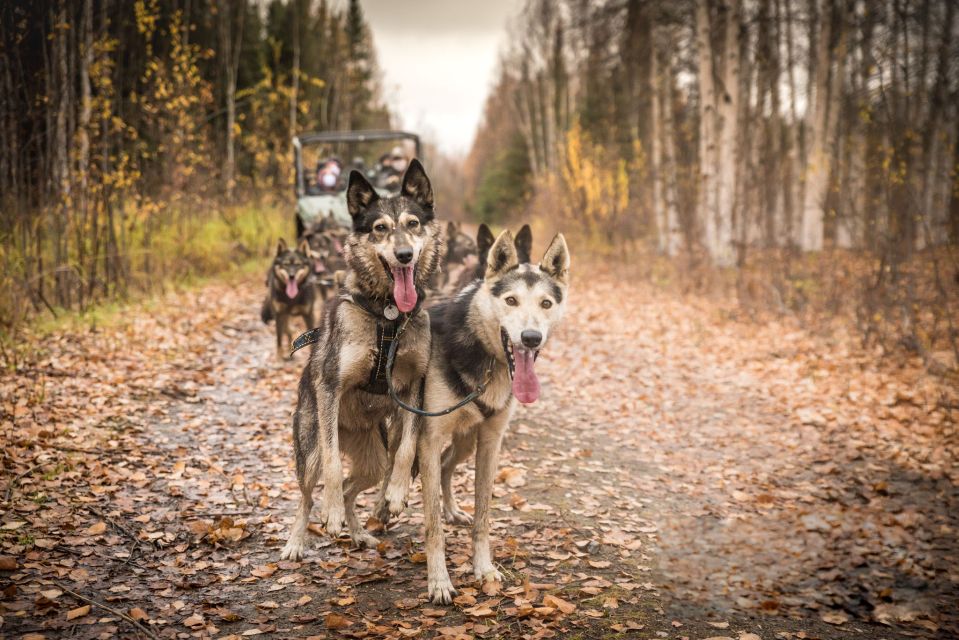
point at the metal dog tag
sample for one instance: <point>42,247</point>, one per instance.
<point>391,312</point>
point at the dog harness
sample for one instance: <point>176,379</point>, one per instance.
<point>390,324</point>
<point>388,321</point>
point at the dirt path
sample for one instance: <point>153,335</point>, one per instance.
<point>684,476</point>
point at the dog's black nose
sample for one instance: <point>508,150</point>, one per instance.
<point>404,254</point>
<point>531,339</point>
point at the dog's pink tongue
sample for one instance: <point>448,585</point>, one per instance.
<point>525,383</point>
<point>291,288</point>
<point>318,266</point>
<point>404,291</point>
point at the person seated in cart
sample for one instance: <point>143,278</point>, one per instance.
<point>392,169</point>
<point>328,174</point>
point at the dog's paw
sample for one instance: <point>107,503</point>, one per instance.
<point>294,548</point>
<point>454,515</point>
<point>363,540</point>
<point>333,519</point>
<point>395,499</point>
<point>441,590</point>
<point>381,511</point>
<point>487,573</point>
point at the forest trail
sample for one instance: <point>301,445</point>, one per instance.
<point>685,475</point>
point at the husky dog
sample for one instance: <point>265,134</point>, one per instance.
<point>391,252</point>
<point>290,293</point>
<point>459,246</point>
<point>326,245</point>
<point>491,331</point>
<point>458,263</point>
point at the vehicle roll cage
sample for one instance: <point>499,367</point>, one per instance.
<point>306,139</point>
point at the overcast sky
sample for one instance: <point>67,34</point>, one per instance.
<point>438,59</point>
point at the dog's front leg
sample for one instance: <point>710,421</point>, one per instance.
<point>488,439</point>
<point>398,484</point>
<point>430,448</point>
<point>332,513</point>
<point>463,446</point>
<point>282,352</point>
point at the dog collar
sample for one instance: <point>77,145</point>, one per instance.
<point>386,309</point>
<point>387,316</point>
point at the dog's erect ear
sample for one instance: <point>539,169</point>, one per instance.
<point>524,244</point>
<point>417,187</point>
<point>360,194</point>
<point>502,256</point>
<point>484,240</point>
<point>304,248</point>
<point>281,246</point>
<point>452,229</point>
<point>555,261</point>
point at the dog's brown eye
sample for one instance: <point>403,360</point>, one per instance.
<point>412,224</point>
<point>511,301</point>
<point>380,228</point>
<point>546,304</point>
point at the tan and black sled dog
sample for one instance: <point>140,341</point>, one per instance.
<point>290,294</point>
<point>343,405</point>
<point>492,331</point>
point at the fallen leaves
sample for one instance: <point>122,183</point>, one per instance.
<point>334,621</point>
<point>556,602</point>
<point>264,571</point>
<point>138,614</point>
<point>96,529</point>
<point>79,612</point>
<point>835,617</point>
<point>739,474</point>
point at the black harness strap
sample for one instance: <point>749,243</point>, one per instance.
<point>310,337</point>
<point>386,332</point>
<point>385,335</point>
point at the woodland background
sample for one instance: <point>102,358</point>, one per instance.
<point>799,156</point>
<point>805,149</point>
<point>748,426</point>
<point>148,140</point>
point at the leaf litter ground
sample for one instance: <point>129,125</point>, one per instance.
<point>686,475</point>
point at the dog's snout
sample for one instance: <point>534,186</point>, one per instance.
<point>531,338</point>
<point>404,254</point>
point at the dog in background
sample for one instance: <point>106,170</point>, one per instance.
<point>326,244</point>
<point>458,264</point>
<point>290,294</point>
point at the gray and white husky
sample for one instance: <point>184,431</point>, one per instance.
<point>391,252</point>
<point>491,331</point>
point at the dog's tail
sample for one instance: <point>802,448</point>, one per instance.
<point>266,311</point>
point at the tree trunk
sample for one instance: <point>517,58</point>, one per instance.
<point>655,157</point>
<point>728,126</point>
<point>707,128</point>
<point>61,159</point>
<point>853,225</point>
<point>934,148</point>
<point>295,71</point>
<point>824,120</point>
<point>667,166</point>
<point>230,48</point>
<point>83,134</point>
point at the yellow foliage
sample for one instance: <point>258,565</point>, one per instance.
<point>595,184</point>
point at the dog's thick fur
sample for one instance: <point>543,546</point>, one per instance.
<point>290,266</point>
<point>334,414</point>
<point>513,307</point>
